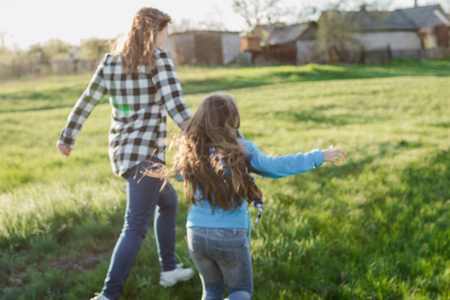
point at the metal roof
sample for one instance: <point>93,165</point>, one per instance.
<point>288,34</point>
<point>399,19</point>
<point>426,16</point>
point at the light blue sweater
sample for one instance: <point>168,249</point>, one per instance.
<point>201,215</point>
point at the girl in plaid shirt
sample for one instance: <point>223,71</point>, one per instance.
<point>143,87</point>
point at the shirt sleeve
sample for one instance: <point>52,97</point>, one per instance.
<point>169,88</point>
<point>84,106</point>
<point>281,166</point>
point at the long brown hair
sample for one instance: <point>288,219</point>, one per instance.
<point>211,159</point>
<point>139,46</point>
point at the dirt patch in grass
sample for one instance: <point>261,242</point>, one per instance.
<point>84,261</point>
<point>80,263</point>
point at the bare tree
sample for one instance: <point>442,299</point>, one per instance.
<point>213,20</point>
<point>313,8</point>
<point>257,12</point>
<point>211,24</point>
<point>183,25</point>
<point>446,6</point>
<point>52,49</point>
<point>2,41</point>
<point>94,48</point>
<point>334,33</point>
<point>338,23</point>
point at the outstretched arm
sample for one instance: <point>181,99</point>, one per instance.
<point>291,164</point>
<point>81,110</point>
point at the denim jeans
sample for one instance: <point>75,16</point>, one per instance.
<point>143,195</point>
<point>222,256</point>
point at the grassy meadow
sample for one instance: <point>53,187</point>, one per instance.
<point>376,227</point>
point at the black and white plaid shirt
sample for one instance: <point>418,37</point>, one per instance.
<point>139,102</point>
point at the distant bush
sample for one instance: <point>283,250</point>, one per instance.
<point>53,57</point>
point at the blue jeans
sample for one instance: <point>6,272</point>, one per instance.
<point>143,195</point>
<point>222,255</point>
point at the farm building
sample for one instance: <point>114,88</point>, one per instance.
<point>282,42</point>
<point>204,47</point>
<point>253,42</point>
<point>375,36</point>
<point>412,32</point>
<point>278,41</point>
<point>432,23</point>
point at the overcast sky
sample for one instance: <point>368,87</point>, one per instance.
<point>26,22</point>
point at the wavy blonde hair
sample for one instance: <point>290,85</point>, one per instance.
<point>139,46</point>
<point>220,176</point>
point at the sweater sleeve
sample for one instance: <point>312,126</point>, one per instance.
<point>84,106</point>
<point>281,166</point>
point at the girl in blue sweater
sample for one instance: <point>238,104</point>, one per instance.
<point>215,162</point>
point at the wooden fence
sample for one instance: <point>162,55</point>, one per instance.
<point>378,56</point>
<point>19,67</point>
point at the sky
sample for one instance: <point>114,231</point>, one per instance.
<point>27,22</point>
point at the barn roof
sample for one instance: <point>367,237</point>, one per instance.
<point>372,20</point>
<point>399,19</point>
<point>289,34</point>
<point>204,32</point>
<point>426,16</point>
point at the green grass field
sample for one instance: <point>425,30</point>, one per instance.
<point>376,227</point>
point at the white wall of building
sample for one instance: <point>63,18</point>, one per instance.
<point>309,51</point>
<point>231,46</point>
<point>398,40</point>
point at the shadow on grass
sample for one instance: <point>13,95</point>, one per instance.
<point>242,77</point>
<point>314,72</point>
<point>404,227</point>
<point>50,237</point>
<point>355,167</point>
<point>432,181</point>
<point>319,116</point>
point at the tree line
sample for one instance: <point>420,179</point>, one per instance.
<point>58,57</point>
<point>52,57</point>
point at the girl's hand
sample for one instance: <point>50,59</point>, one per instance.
<point>332,153</point>
<point>65,150</point>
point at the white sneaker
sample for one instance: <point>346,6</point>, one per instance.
<point>169,278</point>
<point>100,297</point>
